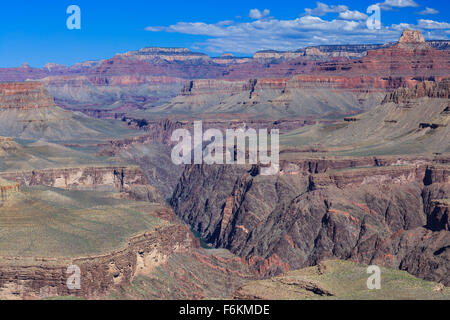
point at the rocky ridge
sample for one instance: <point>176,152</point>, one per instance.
<point>333,51</point>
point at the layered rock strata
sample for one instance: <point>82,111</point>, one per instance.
<point>301,218</point>
<point>24,96</point>
<point>79,178</point>
<point>34,277</point>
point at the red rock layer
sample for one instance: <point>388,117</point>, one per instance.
<point>401,60</point>
<point>24,96</point>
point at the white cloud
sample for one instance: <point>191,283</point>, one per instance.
<point>270,33</point>
<point>155,29</point>
<point>428,11</point>
<point>402,26</point>
<point>225,23</point>
<point>322,9</point>
<point>389,4</point>
<point>352,15</point>
<point>256,14</point>
<point>430,24</point>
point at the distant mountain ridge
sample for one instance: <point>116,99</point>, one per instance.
<point>172,54</point>
<point>152,77</point>
<point>348,51</point>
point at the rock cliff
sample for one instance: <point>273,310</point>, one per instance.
<point>346,215</point>
<point>24,96</point>
<point>130,180</point>
<point>35,278</point>
<point>430,89</point>
<point>158,55</point>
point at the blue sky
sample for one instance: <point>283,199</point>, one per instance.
<point>36,32</point>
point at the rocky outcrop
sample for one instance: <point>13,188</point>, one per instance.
<point>197,274</point>
<point>34,278</point>
<point>439,215</point>
<point>312,82</point>
<point>430,89</point>
<point>436,199</point>
<point>24,96</point>
<point>356,177</point>
<point>420,251</point>
<point>411,37</point>
<point>161,130</point>
<point>323,164</point>
<point>321,52</point>
<point>347,51</point>
<point>212,86</point>
<point>228,58</point>
<point>121,179</point>
<point>278,55</point>
<point>303,218</point>
<point>350,83</point>
<point>157,131</point>
<point>158,55</point>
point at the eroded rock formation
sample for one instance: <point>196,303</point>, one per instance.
<point>303,218</point>
<point>130,180</point>
<point>24,96</point>
<point>34,278</point>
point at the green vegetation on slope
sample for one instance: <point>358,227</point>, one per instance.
<point>48,222</point>
<point>338,279</point>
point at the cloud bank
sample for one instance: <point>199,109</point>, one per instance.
<point>389,4</point>
<point>256,14</point>
<point>311,28</point>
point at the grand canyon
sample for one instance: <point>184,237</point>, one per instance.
<point>87,180</point>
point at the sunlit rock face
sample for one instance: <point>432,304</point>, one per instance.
<point>411,36</point>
